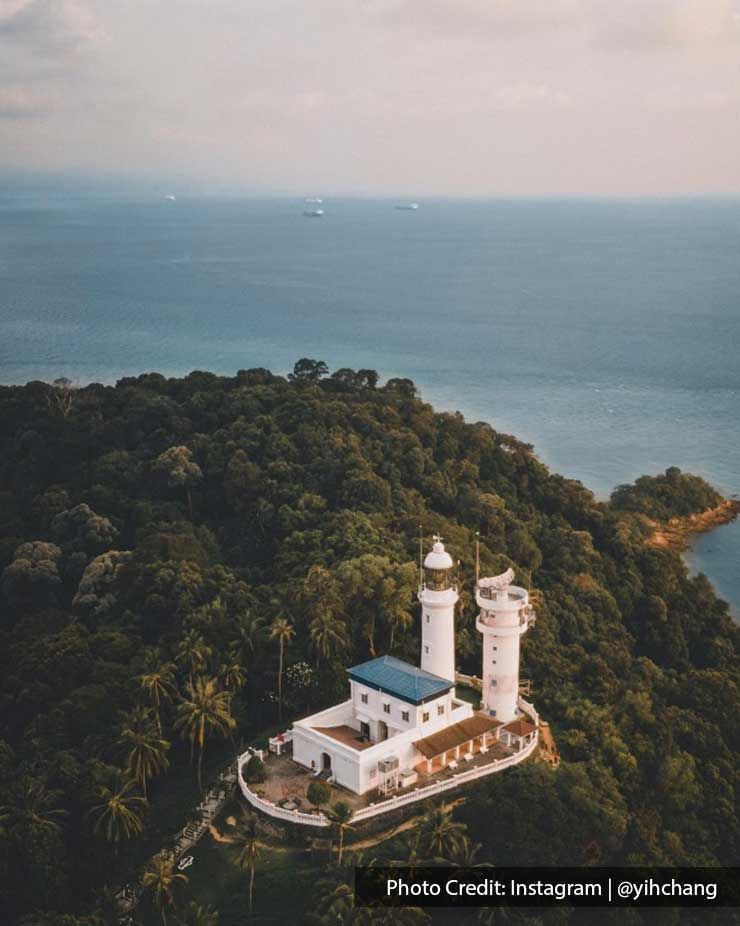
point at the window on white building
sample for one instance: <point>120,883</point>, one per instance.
<point>386,708</point>
<point>426,650</point>
<point>425,717</point>
<point>493,683</point>
<point>440,709</point>
<point>363,698</point>
<point>427,618</point>
<point>405,716</point>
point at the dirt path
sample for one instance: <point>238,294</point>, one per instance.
<point>400,828</point>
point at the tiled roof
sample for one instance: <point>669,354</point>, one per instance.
<point>519,727</point>
<point>395,677</point>
<point>457,734</point>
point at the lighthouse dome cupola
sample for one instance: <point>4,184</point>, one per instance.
<point>438,568</point>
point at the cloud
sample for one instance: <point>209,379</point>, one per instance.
<point>19,102</point>
<point>47,25</point>
<point>525,97</point>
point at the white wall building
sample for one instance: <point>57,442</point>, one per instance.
<point>400,717</point>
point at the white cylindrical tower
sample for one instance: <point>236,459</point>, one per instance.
<point>505,614</point>
<point>438,597</point>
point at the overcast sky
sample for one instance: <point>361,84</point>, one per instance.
<point>446,97</point>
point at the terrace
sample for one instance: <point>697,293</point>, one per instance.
<point>283,793</point>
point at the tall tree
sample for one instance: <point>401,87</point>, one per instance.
<point>249,633</point>
<point>160,688</point>
<point>442,834</point>
<point>204,711</point>
<point>281,630</point>
<point>180,470</point>
<point>247,850</point>
<point>161,878</point>
<point>118,816</point>
<point>146,754</point>
<point>329,637</point>
<point>193,652</point>
<point>340,816</point>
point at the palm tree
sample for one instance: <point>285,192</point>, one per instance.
<point>160,876</point>
<point>340,816</point>
<point>442,833</point>
<point>249,633</point>
<point>193,652</point>
<point>147,754</point>
<point>247,850</point>
<point>328,636</point>
<point>32,807</point>
<point>118,814</point>
<point>160,688</point>
<point>281,630</point>
<point>464,854</point>
<point>231,675</point>
<point>205,710</point>
<point>337,907</point>
<point>196,915</point>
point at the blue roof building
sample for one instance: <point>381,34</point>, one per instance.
<point>396,677</point>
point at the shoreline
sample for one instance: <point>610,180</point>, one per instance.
<point>676,534</point>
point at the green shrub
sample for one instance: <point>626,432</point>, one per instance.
<point>255,771</point>
<point>318,793</point>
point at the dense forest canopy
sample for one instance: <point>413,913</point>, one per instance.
<point>218,549</point>
<point>672,494</point>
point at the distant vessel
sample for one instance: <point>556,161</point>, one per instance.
<point>317,200</point>
<point>313,213</point>
<point>171,198</point>
<point>410,207</point>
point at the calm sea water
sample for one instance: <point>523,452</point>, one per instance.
<point>605,333</point>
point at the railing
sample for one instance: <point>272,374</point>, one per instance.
<point>472,681</point>
<point>528,708</point>
<point>391,803</point>
<point>281,813</point>
<point>439,787</point>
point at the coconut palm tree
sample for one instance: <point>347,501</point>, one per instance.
<point>250,631</point>
<point>118,814</point>
<point>160,688</point>
<point>146,754</point>
<point>328,636</point>
<point>193,652</point>
<point>464,854</point>
<point>204,711</point>
<point>33,807</point>
<point>161,878</point>
<point>340,816</point>
<point>283,631</point>
<point>442,835</point>
<point>246,850</point>
<point>231,675</point>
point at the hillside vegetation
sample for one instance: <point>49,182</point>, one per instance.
<point>166,545</point>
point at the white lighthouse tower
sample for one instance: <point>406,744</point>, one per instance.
<point>505,614</point>
<point>438,597</point>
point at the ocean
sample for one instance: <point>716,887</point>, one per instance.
<point>605,333</point>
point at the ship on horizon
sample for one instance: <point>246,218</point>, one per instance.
<point>408,207</point>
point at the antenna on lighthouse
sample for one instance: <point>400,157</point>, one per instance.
<point>477,557</point>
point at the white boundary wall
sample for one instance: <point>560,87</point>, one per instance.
<point>392,803</point>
